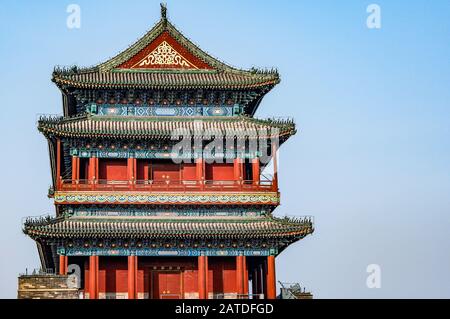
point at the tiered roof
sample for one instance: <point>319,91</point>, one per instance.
<point>164,59</point>
<point>186,79</point>
<point>163,127</point>
<point>177,228</point>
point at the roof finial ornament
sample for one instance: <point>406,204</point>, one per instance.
<point>163,11</point>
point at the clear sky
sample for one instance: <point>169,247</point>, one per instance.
<point>371,160</point>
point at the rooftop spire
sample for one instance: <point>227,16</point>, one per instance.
<point>163,11</point>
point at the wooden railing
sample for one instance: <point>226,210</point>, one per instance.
<point>165,185</point>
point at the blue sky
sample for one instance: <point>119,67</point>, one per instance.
<point>371,160</point>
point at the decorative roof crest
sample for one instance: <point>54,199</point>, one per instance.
<point>163,11</point>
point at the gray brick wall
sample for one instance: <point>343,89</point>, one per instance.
<point>45,287</point>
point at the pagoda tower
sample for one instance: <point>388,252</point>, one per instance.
<point>157,177</point>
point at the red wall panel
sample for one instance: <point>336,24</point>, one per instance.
<point>189,172</point>
<point>84,168</point>
<point>219,172</point>
<point>113,274</point>
<point>162,170</point>
<point>113,169</point>
<point>142,170</point>
<point>222,275</point>
<point>165,171</point>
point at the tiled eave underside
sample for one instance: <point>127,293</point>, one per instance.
<point>162,81</point>
<point>163,128</point>
<point>187,229</point>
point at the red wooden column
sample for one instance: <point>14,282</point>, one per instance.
<point>238,170</point>
<point>206,277</point>
<point>93,163</point>
<point>202,281</point>
<point>256,171</point>
<point>63,261</point>
<point>132,277</point>
<point>93,277</point>
<point>131,168</point>
<point>75,167</point>
<point>199,171</point>
<point>96,170</point>
<point>131,171</point>
<point>58,164</point>
<point>93,171</point>
<point>240,274</point>
<point>199,168</point>
<point>271,281</point>
<point>275,166</point>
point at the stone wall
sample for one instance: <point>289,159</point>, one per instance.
<point>46,286</point>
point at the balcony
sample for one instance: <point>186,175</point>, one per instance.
<point>82,185</point>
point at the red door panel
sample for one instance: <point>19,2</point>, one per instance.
<point>167,285</point>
